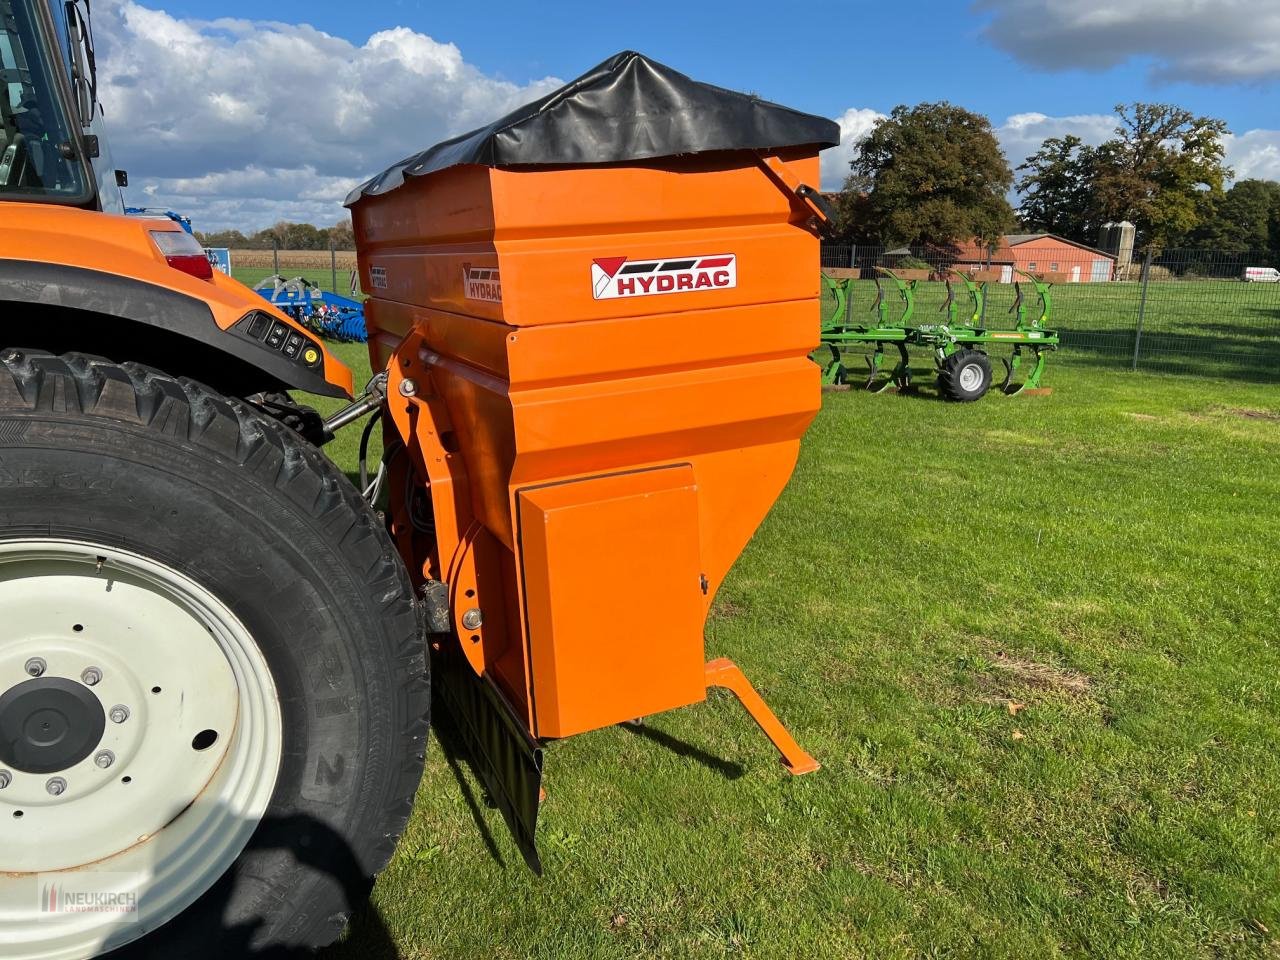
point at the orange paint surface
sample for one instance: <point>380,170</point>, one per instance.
<point>120,246</point>
<point>563,328</point>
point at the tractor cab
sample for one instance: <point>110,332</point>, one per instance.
<point>52,143</point>
<point>85,276</point>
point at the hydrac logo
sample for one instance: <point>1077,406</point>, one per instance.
<point>481,283</point>
<point>615,277</point>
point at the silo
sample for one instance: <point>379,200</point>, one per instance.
<point>1118,239</point>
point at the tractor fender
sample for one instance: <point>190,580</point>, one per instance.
<point>79,270</point>
<point>55,285</point>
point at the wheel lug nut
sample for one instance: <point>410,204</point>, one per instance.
<point>6,778</point>
<point>92,676</point>
<point>56,786</point>
<point>36,667</point>
<point>119,714</point>
<point>105,759</point>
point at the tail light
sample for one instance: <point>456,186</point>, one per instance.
<point>183,252</point>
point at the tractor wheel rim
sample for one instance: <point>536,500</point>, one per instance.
<point>138,753</point>
<point>970,377</point>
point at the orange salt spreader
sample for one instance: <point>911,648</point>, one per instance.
<point>595,314</point>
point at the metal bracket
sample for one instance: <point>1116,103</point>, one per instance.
<point>435,602</point>
<point>375,394</point>
<point>725,673</point>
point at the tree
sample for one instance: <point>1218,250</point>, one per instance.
<point>853,216</point>
<point>279,232</point>
<point>287,236</point>
<point>933,174</point>
<point>223,238</point>
<point>305,236</point>
<point>1244,219</point>
<point>1057,186</point>
<point>342,236</point>
<point>1161,171</point>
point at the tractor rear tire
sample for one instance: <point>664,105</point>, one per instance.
<point>965,376</point>
<point>150,527</point>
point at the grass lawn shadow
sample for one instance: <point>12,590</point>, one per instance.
<point>726,768</point>
<point>455,754</point>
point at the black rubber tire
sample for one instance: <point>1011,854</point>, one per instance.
<point>949,384</point>
<point>128,456</point>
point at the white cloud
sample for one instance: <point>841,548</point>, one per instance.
<point>1255,155</point>
<point>241,123</point>
<point>855,124</point>
<point>1021,134</point>
<point>1223,41</point>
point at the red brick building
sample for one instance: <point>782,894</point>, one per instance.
<point>986,263</point>
<point>1064,261</point>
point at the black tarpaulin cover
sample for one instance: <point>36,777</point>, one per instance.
<point>627,108</point>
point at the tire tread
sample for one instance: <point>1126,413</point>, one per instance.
<point>184,410</point>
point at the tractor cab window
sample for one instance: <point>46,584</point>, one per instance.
<point>38,156</point>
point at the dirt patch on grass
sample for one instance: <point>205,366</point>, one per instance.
<point>1239,413</point>
<point>1015,684</point>
<point>1141,416</point>
<point>1248,413</point>
<point>727,609</point>
<point>902,879</point>
<point>1030,675</point>
<point>1019,439</point>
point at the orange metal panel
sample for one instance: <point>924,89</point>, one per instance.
<point>613,598</point>
<point>530,372</point>
<point>122,246</point>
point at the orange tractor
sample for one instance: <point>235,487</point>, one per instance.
<point>217,652</point>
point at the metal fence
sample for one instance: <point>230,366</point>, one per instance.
<point>1179,311</point>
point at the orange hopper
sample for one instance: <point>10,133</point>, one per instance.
<point>596,314</point>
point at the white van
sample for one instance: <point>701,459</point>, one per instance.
<point>1261,275</point>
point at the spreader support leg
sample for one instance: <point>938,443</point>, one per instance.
<point>725,673</point>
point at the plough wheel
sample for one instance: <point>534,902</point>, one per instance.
<point>965,376</point>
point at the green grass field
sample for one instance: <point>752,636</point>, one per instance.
<point>1209,327</point>
<point>1215,327</point>
<point>1033,642</point>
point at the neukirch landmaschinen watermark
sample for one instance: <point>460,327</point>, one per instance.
<point>101,894</point>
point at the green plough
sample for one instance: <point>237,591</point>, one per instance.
<point>959,345</point>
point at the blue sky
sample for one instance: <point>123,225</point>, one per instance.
<point>354,86</point>
<point>838,53</point>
